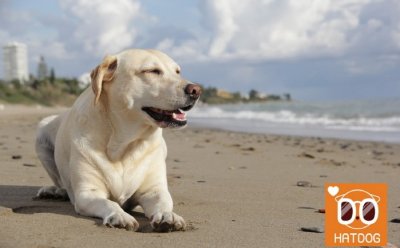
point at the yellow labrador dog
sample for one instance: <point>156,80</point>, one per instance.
<point>107,152</point>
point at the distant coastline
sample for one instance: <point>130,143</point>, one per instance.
<point>213,95</point>
<point>47,92</point>
<point>54,91</point>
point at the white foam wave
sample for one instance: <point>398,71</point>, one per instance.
<point>388,124</point>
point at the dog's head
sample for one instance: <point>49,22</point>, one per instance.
<point>146,84</point>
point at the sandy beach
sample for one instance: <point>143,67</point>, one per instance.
<point>233,189</point>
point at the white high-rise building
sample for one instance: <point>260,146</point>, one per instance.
<point>15,61</point>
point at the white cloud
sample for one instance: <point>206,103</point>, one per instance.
<point>104,26</point>
<point>84,80</point>
<point>263,30</point>
<point>374,24</point>
<point>276,29</point>
<point>187,51</point>
<point>49,49</point>
<point>222,19</point>
<point>165,44</point>
<point>229,31</point>
<point>396,34</point>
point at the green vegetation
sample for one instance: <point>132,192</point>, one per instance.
<point>63,91</point>
<point>49,92</point>
<point>212,95</point>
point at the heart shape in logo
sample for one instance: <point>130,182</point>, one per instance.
<point>333,190</point>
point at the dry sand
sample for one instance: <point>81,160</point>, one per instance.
<point>233,189</point>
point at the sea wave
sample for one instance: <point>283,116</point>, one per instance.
<point>327,121</point>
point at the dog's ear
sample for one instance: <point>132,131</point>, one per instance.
<point>103,73</point>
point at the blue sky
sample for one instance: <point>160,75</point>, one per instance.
<point>315,50</point>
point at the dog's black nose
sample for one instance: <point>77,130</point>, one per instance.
<point>193,90</point>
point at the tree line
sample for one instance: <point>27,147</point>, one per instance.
<point>213,95</point>
<point>46,91</point>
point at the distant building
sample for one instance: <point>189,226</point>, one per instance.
<point>15,61</point>
<point>224,94</point>
<point>42,69</point>
<point>262,95</point>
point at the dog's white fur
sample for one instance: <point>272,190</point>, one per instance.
<point>105,153</point>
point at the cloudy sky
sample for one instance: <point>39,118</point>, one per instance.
<point>313,49</point>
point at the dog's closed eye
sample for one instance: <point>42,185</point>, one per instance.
<point>153,71</point>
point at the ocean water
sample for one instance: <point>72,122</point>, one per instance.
<point>373,120</point>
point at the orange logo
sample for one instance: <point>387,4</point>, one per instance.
<point>355,214</point>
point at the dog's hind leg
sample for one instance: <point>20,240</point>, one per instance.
<point>45,151</point>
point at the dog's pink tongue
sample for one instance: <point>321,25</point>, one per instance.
<point>179,115</point>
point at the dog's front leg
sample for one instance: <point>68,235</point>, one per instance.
<point>94,203</point>
<point>157,205</point>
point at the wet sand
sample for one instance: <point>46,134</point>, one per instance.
<point>233,189</point>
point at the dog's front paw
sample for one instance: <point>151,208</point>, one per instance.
<point>52,192</point>
<point>167,222</point>
<point>121,220</point>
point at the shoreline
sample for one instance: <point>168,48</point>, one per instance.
<point>356,120</point>
<point>261,128</point>
<point>233,189</point>
<point>322,136</point>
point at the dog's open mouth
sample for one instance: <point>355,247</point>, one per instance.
<point>168,118</point>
